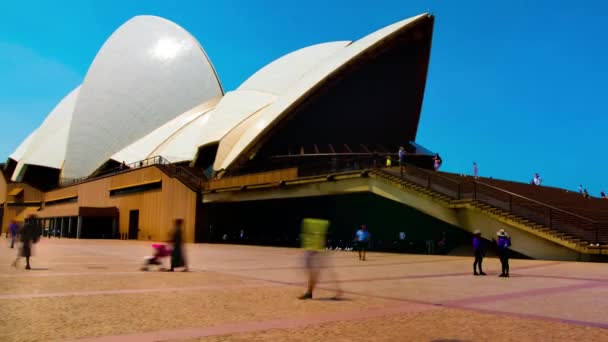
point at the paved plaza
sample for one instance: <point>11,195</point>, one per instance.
<point>92,290</point>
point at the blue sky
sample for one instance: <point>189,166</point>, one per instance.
<point>519,86</point>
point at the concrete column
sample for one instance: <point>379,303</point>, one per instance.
<point>62,227</point>
<point>114,228</point>
<point>79,227</point>
<point>70,219</point>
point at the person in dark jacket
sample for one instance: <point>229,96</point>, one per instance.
<point>479,253</point>
<point>503,243</point>
<point>28,235</point>
<point>178,258</point>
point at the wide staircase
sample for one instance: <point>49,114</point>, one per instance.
<point>550,214</point>
<point>563,217</point>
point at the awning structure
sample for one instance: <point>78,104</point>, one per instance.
<point>98,211</point>
<point>27,211</point>
<point>134,185</point>
<point>15,192</point>
<point>59,211</point>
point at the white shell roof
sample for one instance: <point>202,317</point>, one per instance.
<point>278,76</point>
<point>144,147</point>
<point>148,72</point>
<point>20,150</point>
<point>240,138</point>
<point>234,107</point>
<point>48,146</point>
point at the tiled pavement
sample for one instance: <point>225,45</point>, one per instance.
<point>93,290</point>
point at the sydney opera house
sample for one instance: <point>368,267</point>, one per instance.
<point>150,135</point>
<point>136,143</point>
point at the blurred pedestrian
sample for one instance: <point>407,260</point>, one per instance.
<point>13,230</point>
<point>28,235</point>
<point>178,258</point>
<point>475,170</point>
<point>362,239</point>
<point>314,237</point>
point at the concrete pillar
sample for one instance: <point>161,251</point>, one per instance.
<point>114,228</point>
<point>70,219</point>
<point>79,227</point>
<point>62,227</point>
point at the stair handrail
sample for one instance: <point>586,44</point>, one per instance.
<point>504,191</point>
<point>593,226</point>
<point>535,201</point>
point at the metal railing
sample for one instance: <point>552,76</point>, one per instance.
<point>192,181</point>
<point>157,160</point>
<point>563,221</point>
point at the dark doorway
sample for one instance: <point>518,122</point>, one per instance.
<point>133,224</point>
<point>97,227</point>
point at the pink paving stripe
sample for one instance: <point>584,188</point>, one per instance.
<point>533,316</point>
<point>367,264</point>
<point>254,326</point>
<point>36,274</point>
<point>523,275</point>
<point>133,291</point>
<point>523,294</point>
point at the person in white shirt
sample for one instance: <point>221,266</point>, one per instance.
<point>537,180</point>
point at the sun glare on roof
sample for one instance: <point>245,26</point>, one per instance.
<point>168,48</point>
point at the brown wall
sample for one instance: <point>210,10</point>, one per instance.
<point>30,194</point>
<point>251,179</point>
<point>157,208</point>
<point>3,188</point>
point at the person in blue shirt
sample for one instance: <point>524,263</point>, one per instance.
<point>479,253</point>
<point>362,239</point>
<point>13,229</point>
<point>503,243</point>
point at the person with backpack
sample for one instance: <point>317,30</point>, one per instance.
<point>503,243</point>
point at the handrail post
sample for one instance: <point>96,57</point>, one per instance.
<point>474,190</point>
<point>597,234</point>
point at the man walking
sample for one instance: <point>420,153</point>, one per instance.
<point>313,236</point>
<point>13,230</point>
<point>503,243</point>
<point>362,239</point>
<point>478,251</point>
<point>28,235</point>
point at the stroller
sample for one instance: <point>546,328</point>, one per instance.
<point>161,251</point>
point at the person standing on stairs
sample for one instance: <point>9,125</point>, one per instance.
<point>503,243</point>
<point>479,253</point>
<point>401,159</point>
